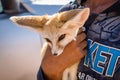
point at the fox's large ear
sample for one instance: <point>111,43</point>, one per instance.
<point>34,22</point>
<point>82,16</point>
<point>67,15</point>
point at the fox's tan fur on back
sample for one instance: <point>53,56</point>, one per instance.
<point>58,29</point>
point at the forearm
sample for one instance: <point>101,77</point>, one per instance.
<point>42,76</point>
<point>51,67</point>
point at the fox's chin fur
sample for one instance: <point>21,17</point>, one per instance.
<point>58,30</point>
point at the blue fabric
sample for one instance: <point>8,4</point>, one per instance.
<point>40,75</point>
<point>67,7</point>
<point>70,6</point>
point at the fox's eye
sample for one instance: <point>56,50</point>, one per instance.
<point>61,37</point>
<point>48,40</point>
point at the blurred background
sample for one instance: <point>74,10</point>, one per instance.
<point>20,48</point>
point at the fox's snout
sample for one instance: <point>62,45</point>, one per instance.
<point>57,52</point>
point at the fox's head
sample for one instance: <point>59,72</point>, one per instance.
<point>58,29</point>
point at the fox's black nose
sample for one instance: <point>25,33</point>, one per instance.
<point>55,54</point>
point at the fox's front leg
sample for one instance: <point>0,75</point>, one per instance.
<point>70,73</point>
<point>65,74</point>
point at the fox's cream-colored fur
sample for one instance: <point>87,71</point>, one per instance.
<point>58,30</point>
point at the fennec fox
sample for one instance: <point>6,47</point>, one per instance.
<point>58,30</point>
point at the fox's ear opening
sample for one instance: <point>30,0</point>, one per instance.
<point>34,22</point>
<point>67,15</point>
<point>82,16</point>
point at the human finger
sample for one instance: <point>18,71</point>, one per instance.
<point>80,38</point>
<point>83,44</point>
<point>83,53</point>
<point>80,31</point>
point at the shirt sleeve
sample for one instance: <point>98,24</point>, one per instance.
<point>40,75</point>
<point>69,6</point>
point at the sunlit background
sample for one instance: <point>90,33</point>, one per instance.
<point>20,48</point>
<point>51,2</point>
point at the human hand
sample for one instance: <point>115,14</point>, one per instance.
<point>53,66</point>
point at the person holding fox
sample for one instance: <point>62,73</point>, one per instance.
<point>102,59</point>
<point>83,38</point>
